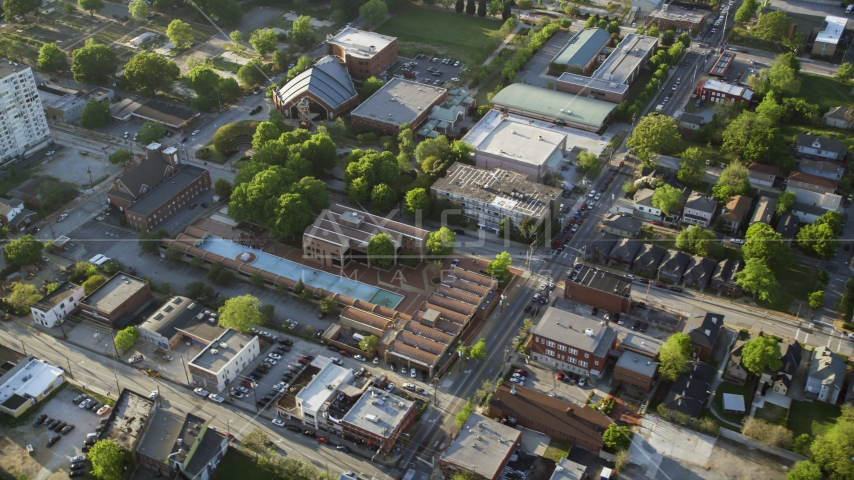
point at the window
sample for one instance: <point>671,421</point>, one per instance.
<point>582,364</point>
<point>561,348</point>
<point>550,343</point>
<point>573,351</point>
<point>572,360</point>
<point>550,353</point>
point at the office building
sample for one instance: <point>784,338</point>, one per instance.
<point>366,54</point>
<point>399,101</point>
<point>219,364</point>
<point>117,301</point>
<point>378,419</point>
<point>828,37</point>
<point>27,383</point>
<point>482,448</point>
<point>575,111</point>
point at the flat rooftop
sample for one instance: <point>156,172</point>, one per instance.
<point>213,362</point>
<point>32,380</point>
<point>625,58</point>
<point>165,427</point>
<point>832,30</point>
<point>169,114</point>
<point>588,334</point>
<point>399,101</point>
<point>168,189</point>
<point>516,139</point>
<point>641,343</point>
<point>322,386</point>
<point>118,289</point>
<point>361,43</point>
<point>8,67</point>
<point>604,281</point>
<point>177,313</point>
<point>563,107</point>
<point>593,83</point>
<point>127,420</point>
<point>638,363</point>
<point>569,470</point>
<point>342,225</point>
<point>378,412</point>
<point>501,188</point>
<point>679,14</point>
<point>482,445</point>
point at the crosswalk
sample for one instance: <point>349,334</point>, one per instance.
<point>558,254</point>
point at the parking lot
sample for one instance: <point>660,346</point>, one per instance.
<point>431,70</point>
<point>45,460</point>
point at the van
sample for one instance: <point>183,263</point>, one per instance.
<point>358,337</point>
<point>605,474</point>
<point>100,263</point>
<point>659,107</point>
<point>850,9</point>
<point>97,258</point>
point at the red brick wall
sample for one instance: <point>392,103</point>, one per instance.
<point>596,298</point>
<point>631,379</point>
<point>546,430</point>
<point>166,209</point>
<point>363,68</point>
<point>131,304</point>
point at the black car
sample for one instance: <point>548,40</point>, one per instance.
<point>33,230</point>
<point>193,205</point>
<point>393,367</point>
<point>76,473</point>
<point>89,442</point>
<point>293,428</point>
<point>636,326</point>
<point>594,311</point>
<point>78,466</point>
<point>309,357</point>
<point>332,348</point>
<point>185,139</point>
<point>286,341</point>
<point>458,231</point>
<point>261,370</point>
<point>641,305</point>
<point>253,377</point>
<point>67,429</point>
<point>39,420</point>
<point>50,423</point>
<point>85,449</point>
<point>59,426</point>
<point>676,289</point>
<point>53,440</point>
<point>643,326</point>
<point>342,448</point>
<point>205,205</point>
<point>423,376</point>
<point>95,406</point>
<point>643,281</point>
<point>308,433</point>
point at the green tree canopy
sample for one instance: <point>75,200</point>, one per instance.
<point>819,240</point>
<point>266,132</point>
<point>383,197</point>
<point>373,167</point>
<point>23,251</point>
<point>23,296</point>
<point>734,180</point>
<point>463,415</point>
<point>667,199</point>
<point>773,26</point>
<point>785,202</point>
<point>745,11</point>
<point>293,215</point>
<point>327,304</point>
<point>199,291</point>
<point>757,279</point>
<point>770,109</point>
<point>150,72</point>
<point>693,166</point>
<point>696,240</point>
<point>752,137</point>
<point>180,33</point>
<point>237,37</point>
<point>263,41</point>
<point>844,72</point>
<point>222,187</point>
<point>241,313</point>
<point>441,242</point>
<point>500,267</point>
<point>764,243</point>
<point>381,250</point>
<point>94,63</point>
<point>138,10</point>
<point>120,156</point>
<point>150,132</point>
<point>478,350</point>
<point>91,6</point>
<point>373,12</point>
<point>93,283</point>
<point>833,451</point>
<point>126,337</point>
<point>368,344</point>
<point>301,33</point>
<point>805,470</point>
<point>617,437</point>
<point>107,460</point>
<point>370,87</point>
<point>832,219</point>
<point>816,299</point>
<point>761,353</point>
<point>95,114</point>
<point>52,59</point>
<point>19,7</point>
<point>251,74</point>
<point>783,77</point>
<point>674,355</point>
<point>416,200</point>
<point>655,134</point>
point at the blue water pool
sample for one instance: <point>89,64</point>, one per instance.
<point>310,276</point>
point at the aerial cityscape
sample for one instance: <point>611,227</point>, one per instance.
<point>426,239</point>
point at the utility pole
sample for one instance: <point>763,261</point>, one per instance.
<point>185,370</point>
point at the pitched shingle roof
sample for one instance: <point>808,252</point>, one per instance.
<point>811,180</point>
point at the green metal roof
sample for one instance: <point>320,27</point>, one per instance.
<point>581,49</point>
<point>567,107</point>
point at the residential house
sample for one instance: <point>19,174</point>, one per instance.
<point>761,175</point>
<point>699,210</point>
<point>14,216</point>
<point>724,277</point>
<point>624,252</point>
<point>806,213</point>
<point>823,168</point>
<point>185,445</point>
<point>600,246</point>
<point>788,226</point>
<point>814,190</point>
<point>635,371</point>
<point>518,406</point>
<point>764,212</point>
<point>820,148</point>
<point>482,448</point>
<point>704,333</point>
<point>826,376</point>
<point>622,225</point>
<point>839,117</point>
<point>689,391</point>
<point>781,380</point>
<point>643,205</point>
<point>648,259</point>
<point>691,121</point>
<point>673,265</point>
<point>734,213</point>
<point>699,272</point>
<point>52,309</point>
<point>735,371</point>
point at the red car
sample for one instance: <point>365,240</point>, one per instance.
<point>345,353</point>
<point>584,205</point>
<point>248,384</point>
<point>657,223</point>
<point>559,376</point>
<point>621,164</point>
<point>660,285</point>
<point>580,221</point>
<point>555,244</point>
<point>322,440</point>
<point>521,371</point>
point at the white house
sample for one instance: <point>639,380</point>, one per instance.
<point>643,205</point>
<point>52,309</point>
<point>838,117</point>
<point>9,209</point>
<point>821,148</point>
<point>814,190</point>
<point>826,375</point>
<point>699,210</point>
<point>761,175</point>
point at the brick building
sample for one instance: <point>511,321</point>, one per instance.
<point>366,54</point>
<point>399,101</point>
<point>117,301</point>
<point>704,333</point>
<point>635,371</point>
<point>326,86</point>
<point>482,448</point>
<point>378,419</point>
<point>187,445</point>
<point>714,91</point>
<point>599,288</point>
<point>520,406</point>
<point>679,19</point>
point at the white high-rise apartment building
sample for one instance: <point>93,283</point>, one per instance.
<point>22,120</point>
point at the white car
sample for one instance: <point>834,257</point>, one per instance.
<point>266,334</point>
<point>201,392</point>
<point>62,217</point>
<point>278,422</point>
<point>293,325</point>
<point>403,371</point>
<point>544,286</point>
<point>49,153</point>
<point>412,372</point>
<point>851,336</point>
<point>274,356</point>
<point>195,132</point>
<point>78,458</point>
<point>389,387</point>
<point>270,360</point>
<point>135,358</point>
<point>598,196</point>
<point>591,194</point>
<point>455,79</point>
<point>376,360</point>
<point>737,241</point>
<point>153,395</point>
<point>360,358</point>
<point>519,380</point>
<point>103,410</point>
<point>629,276</point>
<point>216,398</point>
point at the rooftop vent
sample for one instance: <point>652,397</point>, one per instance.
<point>214,351</point>
<point>588,332</point>
<point>223,345</point>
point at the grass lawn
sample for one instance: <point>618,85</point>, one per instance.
<point>725,387</point>
<point>557,449</point>
<point>220,63</point>
<point>814,418</point>
<point>712,153</point>
<point>450,32</point>
<point>638,85</point>
<point>825,92</point>
<point>772,414</point>
<point>237,465</point>
<point>14,180</point>
<point>797,284</point>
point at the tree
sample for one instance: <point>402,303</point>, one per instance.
<point>757,279</point>
<point>138,10</point>
<point>20,7</point>
<point>241,313</point>
<point>180,33</point>
<point>236,37</point>
<point>107,460</point>
<point>373,12</point>
<point>818,239</point>
<point>199,291</point>
<point>752,137</point>
<point>470,7</point>
<point>816,299</point>
<point>94,63</point>
<point>500,267</point>
<point>693,167</point>
<point>256,280</point>
<point>655,134</point>
<point>150,72</point>
<point>785,202</point>
<point>478,350</point>
<point>301,33</point>
<point>23,251</point>
<point>783,77</point>
<point>459,6</point>
<point>52,59</point>
<point>805,470</point>
<point>93,283</point>
<point>587,160</point>
<point>383,197</point>
<point>507,13</point>
<point>667,199</point>
<point>685,40</point>
<point>653,31</point>
<point>463,415</point>
<point>120,156</point>
<point>263,41</point>
<point>762,242</point>
<point>770,109</point>
<point>674,355</point>
<point>494,8</point>
<point>222,188</point>
<point>696,240</point>
<point>745,11</point>
<point>126,337</point>
<point>94,115</point>
<point>265,132</point>
<point>251,74</point>
<point>772,26</point>
<point>370,87</point>
<point>733,181</point>
<point>761,353</point>
<point>768,433</point>
<point>23,297</point>
<point>833,451</point>
<point>481,8</point>
<point>617,437</point>
<point>368,344</point>
<point>151,132</point>
<point>832,219</point>
<point>327,304</point>
<point>669,38</point>
<point>415,202</point>
<point>381,250</point>
<point>293,215</point>
<point>91,6</point>
<point>441,242</point>
<point>844,72</point>
<point>173,254</point>
<point>359,190</point>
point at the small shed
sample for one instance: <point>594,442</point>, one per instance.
<point>734,403</point>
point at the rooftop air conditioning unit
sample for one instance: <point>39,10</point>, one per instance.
<point>223,345</point>
<point>214,351</point>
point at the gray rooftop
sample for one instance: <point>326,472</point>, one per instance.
<point>569,470</point>
<point>517,139</point>
<point>327,79</point>
<point>177,313</point>
<point>583,47</point>
<point>378,412</point>
<point>481,446</point>
<point>830,144</point>
<point>626,223</point>
<point>764,210</point>
<point>827,367</point>
<point>640,343</point>
<point>678,13</point>
<point>235,342</point>
<point>700,202</point>
<point>168,189</point>
<point>577,331</point>
<point>399,101</point>
<point>638,363</point>
<point>692,119</point>
<point>615,71</point>
<point>116,291</point>
<point>164,429</point>
<point>644,197</point>
<point>563,107</point>
<point>824,166</point>
<point>788,226</point>
<point>62,292</point>
<point>704,330</point>
<point>807,208</point>
<point>605,281</point>
<point>127,420</point>
<point>509,190</point>
<point>360,43</point>
<point>8,68</point>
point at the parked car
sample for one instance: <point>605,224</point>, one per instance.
<point>278,423</point>
<point>52,440</point>
<point>67,429</point>
<point>135,358</point>
<point>201,392</point>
